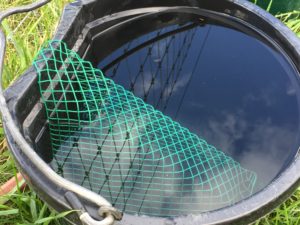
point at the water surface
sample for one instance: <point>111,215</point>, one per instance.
<point>238,94</point>
<point>229,88</point>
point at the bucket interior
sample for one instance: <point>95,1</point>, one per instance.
<point>223,81</point>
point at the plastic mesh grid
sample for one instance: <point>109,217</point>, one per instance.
<point>108,140</point>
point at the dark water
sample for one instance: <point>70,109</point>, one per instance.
<point>232,90</point>
<point>237,96</point>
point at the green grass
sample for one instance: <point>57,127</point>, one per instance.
<point>27,208</point>
<point>26,33</point>
<point>287,213</point>
<point>23,206</point>
<point>292,20</point>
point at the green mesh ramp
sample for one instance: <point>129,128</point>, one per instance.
<point>113,143</point>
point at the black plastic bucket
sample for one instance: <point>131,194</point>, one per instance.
<point>248,92</point>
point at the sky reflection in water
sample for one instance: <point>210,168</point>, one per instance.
<point>227,87</point>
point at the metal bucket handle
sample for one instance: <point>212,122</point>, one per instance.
<point>109,213</point>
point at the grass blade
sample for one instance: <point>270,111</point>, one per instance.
<point>9,212</point>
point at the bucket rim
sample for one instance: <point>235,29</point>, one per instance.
<point>246,210</point>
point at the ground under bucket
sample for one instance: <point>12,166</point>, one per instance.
<point>182,112</point>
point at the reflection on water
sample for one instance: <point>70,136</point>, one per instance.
<point>227,87</point>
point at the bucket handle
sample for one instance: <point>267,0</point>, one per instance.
<point>109,213</point>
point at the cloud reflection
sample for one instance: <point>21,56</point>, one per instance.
<point>265,147</point>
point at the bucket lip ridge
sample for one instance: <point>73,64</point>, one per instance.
<point>249,209</point>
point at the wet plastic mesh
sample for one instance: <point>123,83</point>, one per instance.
<point>108,140</point>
